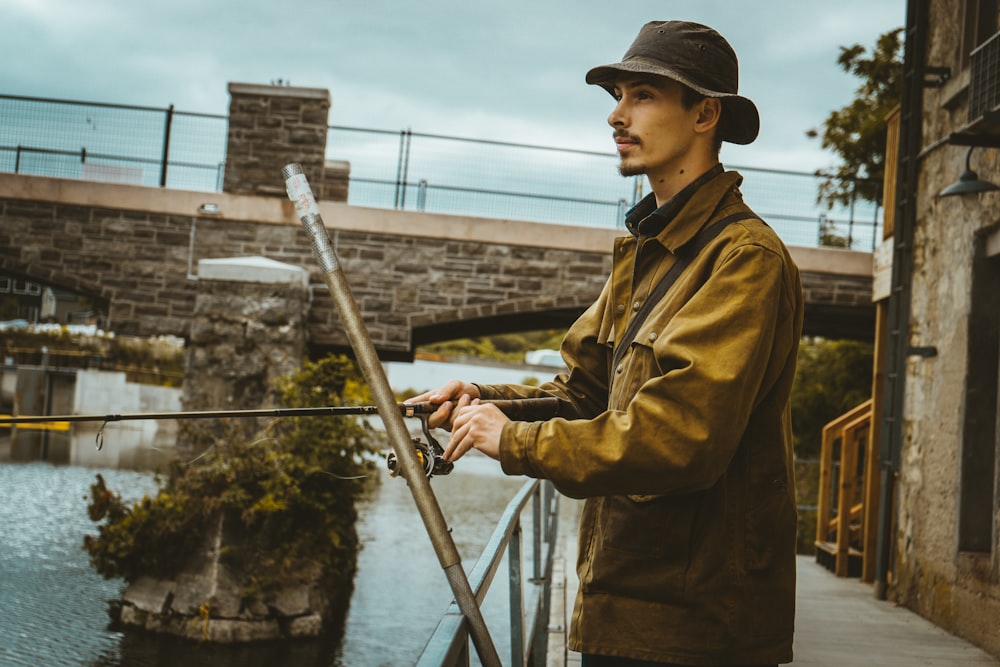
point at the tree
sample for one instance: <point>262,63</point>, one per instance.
<point>857,131</point>
<point>832,377</point>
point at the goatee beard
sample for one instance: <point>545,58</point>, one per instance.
<point>630,169</point>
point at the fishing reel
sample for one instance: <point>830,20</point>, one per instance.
<point>430,454</point>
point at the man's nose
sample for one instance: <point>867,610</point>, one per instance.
<point>617,117</point>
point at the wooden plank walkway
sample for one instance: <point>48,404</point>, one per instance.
<point>838,621</point>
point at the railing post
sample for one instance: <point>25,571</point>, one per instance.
<point>536,534</point>
<point>850,220</point>
<point>550,520</point>
<point>17,160</point>
<point>516,597</point>
<point>422,194</point>
<point>169,121</point>
<point>402,167</point>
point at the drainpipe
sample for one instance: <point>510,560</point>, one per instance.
<point>891,425</point>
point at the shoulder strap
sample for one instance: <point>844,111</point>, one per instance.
<point>685,255</point>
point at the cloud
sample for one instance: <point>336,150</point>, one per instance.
<point>505,71</point>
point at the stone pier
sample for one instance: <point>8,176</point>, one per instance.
<point>249,329</point>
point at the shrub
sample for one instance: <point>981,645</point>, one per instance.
<point>290,491</point>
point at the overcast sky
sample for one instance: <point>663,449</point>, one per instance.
<point>508,70</point>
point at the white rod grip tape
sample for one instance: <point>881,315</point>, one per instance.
<point>308,211</point>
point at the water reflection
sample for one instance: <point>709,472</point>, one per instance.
<point>55,605</point>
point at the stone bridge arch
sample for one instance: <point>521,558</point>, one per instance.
<point>499,318</point>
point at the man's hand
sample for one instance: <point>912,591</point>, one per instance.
<point>475,425</point>
<point>445,398</point>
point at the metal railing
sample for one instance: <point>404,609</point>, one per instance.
<point>397,169</point>
<point>528,597</point>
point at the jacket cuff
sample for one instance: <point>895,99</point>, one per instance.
<point>516,441</point>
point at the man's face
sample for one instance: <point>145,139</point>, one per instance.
<point>652,129</point>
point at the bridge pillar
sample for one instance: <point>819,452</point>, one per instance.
<point>271,126</point>
<point>248,329</point>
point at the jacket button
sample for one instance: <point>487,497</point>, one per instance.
<point>620,368</point>
<point>652,337</point>
<point>636,306</point>
<point>620,308</point>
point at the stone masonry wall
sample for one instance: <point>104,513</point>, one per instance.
<point>244,336</point>
<point>145,263</point>
<point>140,262</point>
<point>269,127</point>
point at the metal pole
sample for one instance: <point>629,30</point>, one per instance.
<point>399,166</point>
<point>168,121</point>
<point>406,169</point>
<point>399,437</point>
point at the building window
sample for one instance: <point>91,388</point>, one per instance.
<point>979,24</point>
<point>26,287</point>
<point>980,439</point>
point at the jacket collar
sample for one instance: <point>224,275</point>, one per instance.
<point>698,201</point>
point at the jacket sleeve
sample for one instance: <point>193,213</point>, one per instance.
<point>583,389</point>
<point>679,431</point>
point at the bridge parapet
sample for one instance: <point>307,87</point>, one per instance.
<point>418,277</point>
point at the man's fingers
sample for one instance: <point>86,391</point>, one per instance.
<point>459,431</point>
<point>441,418</point>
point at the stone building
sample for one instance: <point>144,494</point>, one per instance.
<point>939,339</point>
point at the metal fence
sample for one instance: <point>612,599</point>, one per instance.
<point>111,142</point>
<point>395,169</point>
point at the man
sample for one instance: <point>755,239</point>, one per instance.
<point>677,433</point>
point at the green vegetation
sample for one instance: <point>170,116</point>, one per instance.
<point>289,493</point>
<point>832,377</point>
<point>503,347</point>
<point>150,361</point>
<point>857,131</point>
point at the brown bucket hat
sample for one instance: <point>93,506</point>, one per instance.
<point>696,56</point>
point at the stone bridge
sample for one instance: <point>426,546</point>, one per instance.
<point>417,277</point>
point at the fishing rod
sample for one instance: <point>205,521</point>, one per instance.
<point>429,454</point>
<point>529,409</point>
<point>408,460</point>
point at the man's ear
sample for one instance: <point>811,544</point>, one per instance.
<point>709,113</point>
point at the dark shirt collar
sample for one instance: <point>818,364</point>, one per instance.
<point>644,219</point>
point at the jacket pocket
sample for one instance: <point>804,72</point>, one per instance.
<point>642,546</point>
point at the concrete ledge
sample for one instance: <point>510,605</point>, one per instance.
<point>252,270</point>
<point>837,261</point>
<point>279,91</point>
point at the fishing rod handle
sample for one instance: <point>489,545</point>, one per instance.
<point>518,410</point>
<point>307,209</point>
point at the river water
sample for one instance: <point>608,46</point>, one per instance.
<point>53,606</point>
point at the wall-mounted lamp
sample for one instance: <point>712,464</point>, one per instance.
<point>968,182</point>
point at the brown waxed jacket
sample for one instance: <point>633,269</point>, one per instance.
<point>683,452</point>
